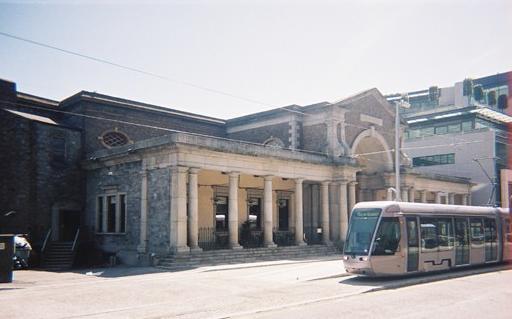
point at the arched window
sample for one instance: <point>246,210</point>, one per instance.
<point>274,142</point>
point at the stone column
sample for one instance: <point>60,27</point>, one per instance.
<point>405,194</point>
<point>423,196</point>
<point>343,201</point>
<point>267,213</point>
<point>464,199</point>
<point>299,231</point>
<point>451,198</point>
<point>142,248</point>
<point>411,195</point>
<point>233,211</point>
<point>178,211</point>
<point>325,212</point>
<point>193,210</point>
<point>438,197</point>
<point>351,196</point>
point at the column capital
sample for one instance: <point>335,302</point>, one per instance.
<point>179,169</point>
<point>326,183</point>
<point>352,183</point>
<point>233,174</point>
<point>340,181</point>
<point>268,178</point>
<point>194,170</point>
<point>298,180</point>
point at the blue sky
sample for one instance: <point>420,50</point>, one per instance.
<point>277,52</point>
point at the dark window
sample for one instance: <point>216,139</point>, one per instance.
<point>111,214</point>
<point>387,237</point>
<point>476,231</point>
<point>441,130</point>
<point>255,211</point>
<point>221,213</point>
<point>467,126</point>
<point>441,159</point>
<point>114,138</point>
<point>114,212</point>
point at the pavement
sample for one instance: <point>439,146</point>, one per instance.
<point>244,290</point>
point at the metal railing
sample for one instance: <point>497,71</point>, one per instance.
<point>210,238</point>
<point>76,239</point>
<point>45,242</point>
<point>284,237</point>
<point>312,235</point>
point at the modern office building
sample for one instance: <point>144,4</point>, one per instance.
<point>462,132</point>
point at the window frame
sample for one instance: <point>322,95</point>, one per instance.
<point>101,226</point>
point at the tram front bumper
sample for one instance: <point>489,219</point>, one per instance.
<point>358,265</point>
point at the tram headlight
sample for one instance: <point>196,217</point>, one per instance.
<point>364,258</point>
<point>345,257</point>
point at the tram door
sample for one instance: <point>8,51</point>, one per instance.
<point>490,237</point>
<point>461,241</point>
<point>412,244</point>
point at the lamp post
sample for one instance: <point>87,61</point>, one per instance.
<point>404,103</point>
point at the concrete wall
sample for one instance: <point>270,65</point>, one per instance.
<point>467,146</point>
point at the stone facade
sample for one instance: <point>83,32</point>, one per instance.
<point>177,182</point>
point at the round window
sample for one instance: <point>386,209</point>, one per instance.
<point>113,139</point>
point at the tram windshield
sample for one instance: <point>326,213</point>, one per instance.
<point>361,229</point>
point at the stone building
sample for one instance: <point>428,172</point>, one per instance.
<point>160,181</point>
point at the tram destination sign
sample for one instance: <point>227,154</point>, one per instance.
<point>367,213</point>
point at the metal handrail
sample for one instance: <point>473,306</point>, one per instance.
<point>76,238</point>
<point>46,239</point>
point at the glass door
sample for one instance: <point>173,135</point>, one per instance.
<point>490,237</point>
<point>412,244</point>
<point>461,241</point>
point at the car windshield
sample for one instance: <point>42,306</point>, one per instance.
<point>360,232</point>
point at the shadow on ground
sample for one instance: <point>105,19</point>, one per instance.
<point>382,283</point>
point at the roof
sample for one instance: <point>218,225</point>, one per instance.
<point>406,207</point>
<point>102,98</point>
<point>33,117</point>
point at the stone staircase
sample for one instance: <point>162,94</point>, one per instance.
<point>58,256</point>
<point>229,256</point>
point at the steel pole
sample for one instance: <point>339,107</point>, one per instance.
<point>397,152</point>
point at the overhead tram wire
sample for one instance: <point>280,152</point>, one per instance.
<point>159,76</point>
<point>137,70</point>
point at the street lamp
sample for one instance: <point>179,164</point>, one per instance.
<point>404,103</point>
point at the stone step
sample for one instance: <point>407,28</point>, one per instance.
<point>227,256</point>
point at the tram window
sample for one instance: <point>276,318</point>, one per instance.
<point>490,232</point>
<point>387,237</point>
<point>477,231</point>
<point>445,233</point>
<point>428,228</point>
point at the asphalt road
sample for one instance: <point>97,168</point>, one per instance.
<point>315,288</point>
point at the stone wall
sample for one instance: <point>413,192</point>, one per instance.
<point>261,134</point>
<point>314,138</point>
<point>150,123</point>
<point>37,173</point>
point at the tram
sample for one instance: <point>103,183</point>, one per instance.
<point>396,238</point>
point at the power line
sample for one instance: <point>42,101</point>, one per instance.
<point>137,70</point>
<point>212,136</point>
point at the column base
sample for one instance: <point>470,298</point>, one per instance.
<point>270,245</point>
<point>142,249</point>
<point>179,250</point>
<point>236,247</point>
<point>196,249</point>
<point>301,244</point>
